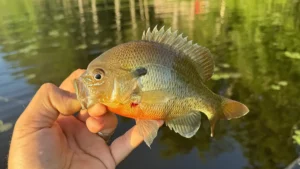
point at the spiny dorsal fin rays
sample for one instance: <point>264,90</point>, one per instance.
<point>201,56</point>
<point>159,34</point>
<point>153,33</point>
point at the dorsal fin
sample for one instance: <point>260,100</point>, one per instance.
<point>201,56</point>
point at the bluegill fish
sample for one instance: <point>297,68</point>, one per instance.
<point>160,77</point>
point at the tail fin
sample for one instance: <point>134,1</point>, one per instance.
<point>233,109</point>
<point>230,109</point>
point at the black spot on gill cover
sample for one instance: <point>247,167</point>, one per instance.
<point>140,72</point>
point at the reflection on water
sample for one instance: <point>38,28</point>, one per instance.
<point>255,46</point>
<point>5,126</point>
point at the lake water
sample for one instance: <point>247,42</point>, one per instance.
<point>256,47</point>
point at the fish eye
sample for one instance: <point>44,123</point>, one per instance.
<point>98,76</point>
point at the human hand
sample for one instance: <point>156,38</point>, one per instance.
<point>47,136</point>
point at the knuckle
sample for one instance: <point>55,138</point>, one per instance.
<point>53,98</point>
<point>47,87</point>
<point>64,101</point>
<point>44,95</point>
<point>66,104</point>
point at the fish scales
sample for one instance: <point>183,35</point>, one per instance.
<point>160,77</point>
<point>138,53</point>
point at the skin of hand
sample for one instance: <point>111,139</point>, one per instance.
<point>48,136</point>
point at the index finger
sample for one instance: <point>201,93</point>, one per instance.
<point>67,84</point>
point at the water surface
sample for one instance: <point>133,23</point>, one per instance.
<point>256,47</point>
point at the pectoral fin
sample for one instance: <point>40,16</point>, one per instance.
<point>187,125</point>
<point>125,85</point>
<point>156,97</point>
<point>147,129</point>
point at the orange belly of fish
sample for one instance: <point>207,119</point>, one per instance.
<point>135,112</point>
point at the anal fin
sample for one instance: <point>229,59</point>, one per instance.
<point>187,126</point>
<point>147,129</point>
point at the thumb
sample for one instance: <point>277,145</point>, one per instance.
<point>45,107</point>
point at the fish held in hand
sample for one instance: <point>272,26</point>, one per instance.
<point>160,77</point>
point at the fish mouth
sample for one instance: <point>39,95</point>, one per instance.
<point>81,93</point>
